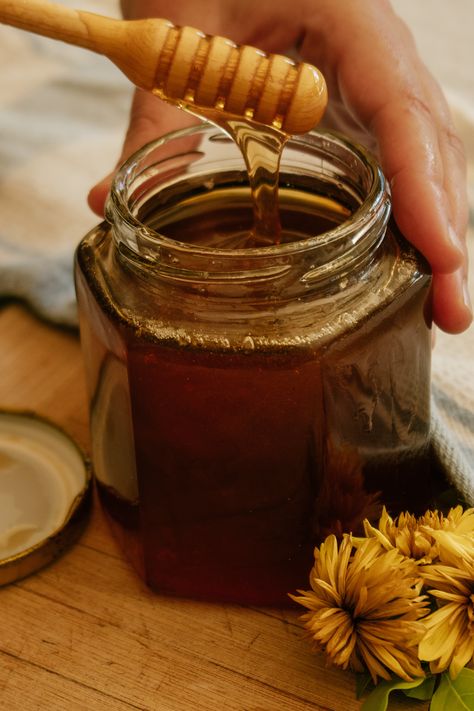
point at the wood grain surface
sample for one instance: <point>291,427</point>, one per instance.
<point>85,634</point>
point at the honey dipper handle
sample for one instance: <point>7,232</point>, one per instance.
<point>185,66</point>
<point>50,20</point>
<point>132,46</point>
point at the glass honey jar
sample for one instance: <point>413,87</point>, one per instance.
<point>247,400</point>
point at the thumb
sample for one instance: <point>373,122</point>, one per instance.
<point>150,118</point>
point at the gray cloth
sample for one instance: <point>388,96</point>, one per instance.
<point>443,33</point>
<point>453,408</point>
<point>63,113</point>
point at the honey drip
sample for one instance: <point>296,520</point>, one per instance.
<point>249,94</point>
<point>261,147</point>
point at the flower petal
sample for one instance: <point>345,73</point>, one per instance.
<point>463,655</point>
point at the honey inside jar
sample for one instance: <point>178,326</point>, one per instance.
<point>246,401</point>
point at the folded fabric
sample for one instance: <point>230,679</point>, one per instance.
<point>453,407</point>
<point>63,115</point>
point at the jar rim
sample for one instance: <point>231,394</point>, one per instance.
<point>372,211</point>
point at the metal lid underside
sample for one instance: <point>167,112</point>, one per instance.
<point>45,486</point>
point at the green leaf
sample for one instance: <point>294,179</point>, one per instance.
<point>363,682</point>
<point>454,694</point>
<point>377,700</point>
<point>424,691</point>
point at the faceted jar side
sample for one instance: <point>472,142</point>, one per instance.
<point>246,403</point>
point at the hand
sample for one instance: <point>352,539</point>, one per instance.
<point>380,91</point>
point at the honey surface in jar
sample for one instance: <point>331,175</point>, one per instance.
<point>239,446</point>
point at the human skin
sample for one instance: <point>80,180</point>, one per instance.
<point>379,92</point>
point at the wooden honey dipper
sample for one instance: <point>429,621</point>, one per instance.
<point>186,67</point>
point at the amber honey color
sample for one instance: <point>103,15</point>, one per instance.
<point>223,455</point>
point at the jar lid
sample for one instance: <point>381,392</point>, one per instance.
<point>45,493</point>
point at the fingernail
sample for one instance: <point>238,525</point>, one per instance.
<point>454,238</point>
<point>466,295</point>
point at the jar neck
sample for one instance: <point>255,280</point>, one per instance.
<point>201,159</point>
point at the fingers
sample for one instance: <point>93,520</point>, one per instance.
<point>374,69</point>
<point>149,119</point>
<point>451,301</point>
<point>98,195</point>
<point>425,163</point>
<point>417,167</point>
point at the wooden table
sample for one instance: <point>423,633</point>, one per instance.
<point>86,634</point>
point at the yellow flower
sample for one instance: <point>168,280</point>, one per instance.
<point>415,537</point>
<point>456,520</point>
<point>365,608</point>
<point>449,640</point>
<point>403,534</point>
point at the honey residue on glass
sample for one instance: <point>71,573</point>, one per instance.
<point>239,416</point>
